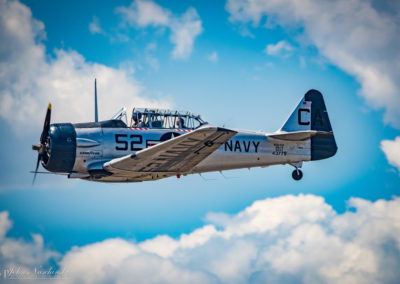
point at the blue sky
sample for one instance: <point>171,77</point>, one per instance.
<point>238,64</point>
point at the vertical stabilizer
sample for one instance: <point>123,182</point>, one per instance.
<point>311,115</point>
<point>300,119</point>
<point>96,118</point>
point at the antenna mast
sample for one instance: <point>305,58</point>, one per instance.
<point>96,119</point>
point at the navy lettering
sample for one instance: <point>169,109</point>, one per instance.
<point>248,146</point>
<point>237,146</point>
<point>228,145</point>
<point>256,144</point>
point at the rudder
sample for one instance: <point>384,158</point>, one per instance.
<point>323,144</point>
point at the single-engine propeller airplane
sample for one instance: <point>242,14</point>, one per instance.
<point>162,143</point>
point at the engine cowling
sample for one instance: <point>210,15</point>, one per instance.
<point>61,148</point>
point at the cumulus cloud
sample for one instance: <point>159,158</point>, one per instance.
<point>94,26</point>
<point>290,238</point>
<point>280,48</point>
<point>184,29</point>
<point>391,148</point>
<point>119,261</point>
<point>145,13</point>
<point>213,56</point>
<point>20,253</point>
<point>5,224</point>
<point>361,37</point>
<point>285,239</point>
<point>30,78</point>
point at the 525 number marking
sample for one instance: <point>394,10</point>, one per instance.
<point>122,142</point>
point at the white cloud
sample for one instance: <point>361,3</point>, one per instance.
<point>21,253</point>
<point>94,26</point>
<point>284,239</point>
<point>119,261</point>
<point>145,13</point>
<point>5,224</point>
<point>290,238</point>
<point>280,48</point>
<point>184,29</point>
<point>213,56</point>
<point>361,37</point>
<point>391,148</point>
<point>29,79</point>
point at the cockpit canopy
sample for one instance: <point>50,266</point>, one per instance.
<point>161,118</point>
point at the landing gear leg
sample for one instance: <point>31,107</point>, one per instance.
<point>297,174</point>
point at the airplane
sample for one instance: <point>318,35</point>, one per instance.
<point>158,143</point>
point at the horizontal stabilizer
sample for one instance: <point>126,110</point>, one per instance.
<point>298,135</point>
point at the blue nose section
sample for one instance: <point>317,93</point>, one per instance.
<point>62,148</point>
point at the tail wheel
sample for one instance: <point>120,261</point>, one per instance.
<point>297,174</point>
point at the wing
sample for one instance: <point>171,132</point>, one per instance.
<point>177,155</point>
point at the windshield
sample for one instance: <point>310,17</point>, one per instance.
<point>121,115</point>
<point>165,119</point>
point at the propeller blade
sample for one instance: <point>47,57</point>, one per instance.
<point>37,166</point>
<point>46,125</point>
<point>43,137</point>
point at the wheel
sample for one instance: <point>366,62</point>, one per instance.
<point>297,174</point>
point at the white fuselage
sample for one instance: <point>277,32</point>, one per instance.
<point>246,149</point>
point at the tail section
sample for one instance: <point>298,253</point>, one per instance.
<point>311,115</point>
<point>300,119</point>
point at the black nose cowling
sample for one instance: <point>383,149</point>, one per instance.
<point>61,151</point>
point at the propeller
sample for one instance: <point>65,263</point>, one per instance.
<point>43,145</point>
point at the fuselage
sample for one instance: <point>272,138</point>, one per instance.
<point>96,144</point>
